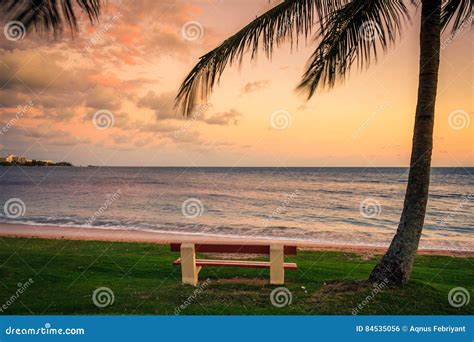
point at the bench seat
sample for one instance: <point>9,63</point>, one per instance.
<point>191,266</point>
<point>237,263</point>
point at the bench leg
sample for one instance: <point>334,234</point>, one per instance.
<point>189,271</point>
<point>277,270</point>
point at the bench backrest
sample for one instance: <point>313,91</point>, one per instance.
<point>227,248</point>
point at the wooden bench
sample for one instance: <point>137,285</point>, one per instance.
<point>190,266</point>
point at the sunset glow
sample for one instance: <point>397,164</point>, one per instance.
<point>132,64</point>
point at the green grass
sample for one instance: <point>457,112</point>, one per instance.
<point>144,281</point>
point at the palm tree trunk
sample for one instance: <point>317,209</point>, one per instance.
<point>395,266</point>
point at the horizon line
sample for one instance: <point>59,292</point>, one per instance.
<point>274,167</point>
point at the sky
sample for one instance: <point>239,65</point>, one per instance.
<point>105,97</point>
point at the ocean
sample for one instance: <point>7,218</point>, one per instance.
<point>357,206</point>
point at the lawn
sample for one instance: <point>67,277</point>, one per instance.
<point>143,280</point>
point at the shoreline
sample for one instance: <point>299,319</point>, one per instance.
<point>116,235</point>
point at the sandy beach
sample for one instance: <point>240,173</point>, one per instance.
<point>94,234</point>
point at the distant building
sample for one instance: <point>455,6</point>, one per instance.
<point>19,160</point>
<point>9,158</point>
<point>12,159</point>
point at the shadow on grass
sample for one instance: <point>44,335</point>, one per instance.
<point>362,298</point>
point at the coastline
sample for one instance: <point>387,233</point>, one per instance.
<point>115,235</point>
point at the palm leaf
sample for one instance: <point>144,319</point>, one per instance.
<point>352,35</point>
<point>284,22</point>
<point>49,16</point>
<point>459,10</point>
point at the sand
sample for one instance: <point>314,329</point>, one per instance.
<point>95,234</point>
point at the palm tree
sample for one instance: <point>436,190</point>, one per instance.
<point>340,45</point>
<point>337,25</point>
<point>49,16</point>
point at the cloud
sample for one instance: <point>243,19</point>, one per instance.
<point>39,72</point>
<point>103,98</point>
<point>10,98</point>
<point>110,66</point>
<point>142,142</point>
<point>46,133</point>
<point>58,114</point>
<point>223,118</point>
<point>155,127</point>
<point>255,86</point>
<point>162,104</point>
<point>121,139</point>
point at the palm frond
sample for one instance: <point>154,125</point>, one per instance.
<point>49,16</point>
<point>352,34</point>
<point>460,10</point>
<point>284,22</point>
